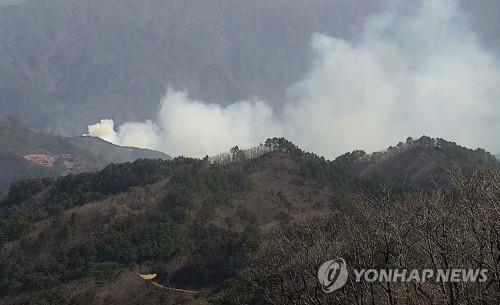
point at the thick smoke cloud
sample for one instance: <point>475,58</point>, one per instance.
<point>192,128</point>
<point>407,74</point>
<point>142,135</point>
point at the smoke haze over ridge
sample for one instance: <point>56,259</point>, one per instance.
<point>406,74</point>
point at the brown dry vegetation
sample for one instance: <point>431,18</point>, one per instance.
<point>247,231</point>
<point>275,193</point>
<point>443,229</point>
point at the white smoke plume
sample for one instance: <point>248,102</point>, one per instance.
<point>192,128</point>
<point>142,135</point>
<point>407,74</point>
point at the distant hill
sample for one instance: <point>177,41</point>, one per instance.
<point>106,152</point>
<point>26,153</point>
<point>66,64</point>
<point>416,163</point>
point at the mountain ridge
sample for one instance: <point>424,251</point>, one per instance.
<point>80,61</point>
<point>422,162</point>
<point>194,222</point>
<point>29,153</point>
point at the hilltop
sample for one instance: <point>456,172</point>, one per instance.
<point>420,163</point>
<point>197,223</point>
<point>27,153</point>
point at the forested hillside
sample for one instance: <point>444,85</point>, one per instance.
<point>227,228</point>
<point>420,163</point>
<point>86,221</point>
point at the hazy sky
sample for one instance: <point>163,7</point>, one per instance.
<point>406,73</point>
<point>3,2</point>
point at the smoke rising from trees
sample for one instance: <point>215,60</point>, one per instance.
<point>421,71</point>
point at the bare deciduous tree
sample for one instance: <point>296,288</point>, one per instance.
<point>457,227</point>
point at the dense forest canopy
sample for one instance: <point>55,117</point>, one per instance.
<point>242,227</point>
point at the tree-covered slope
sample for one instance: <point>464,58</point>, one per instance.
<point>194,222</point>
<point>420,163</point>
<point>200,225</point>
